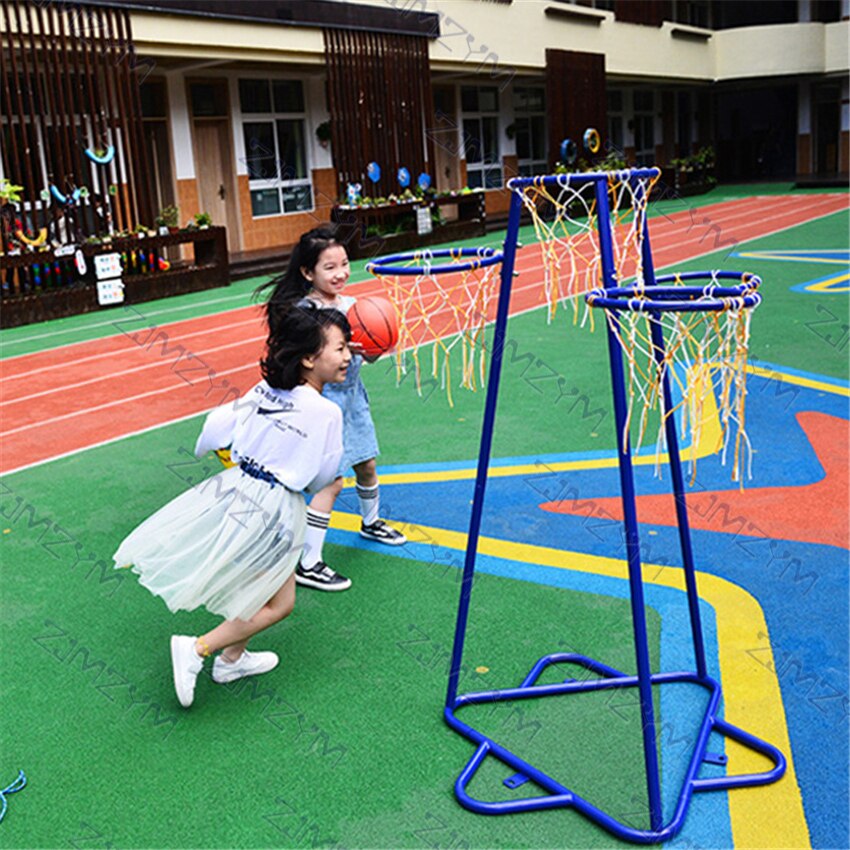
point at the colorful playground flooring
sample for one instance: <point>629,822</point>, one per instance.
<point>344,746</point>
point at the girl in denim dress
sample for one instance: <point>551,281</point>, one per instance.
<point>317,273</point>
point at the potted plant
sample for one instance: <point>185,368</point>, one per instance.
<point>323,133</point>
<point>203,220</point>
<point>168,218</point>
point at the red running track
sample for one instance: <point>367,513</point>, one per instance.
<point>66,399</point>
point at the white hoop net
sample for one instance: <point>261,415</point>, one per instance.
<point>705,359</point>
<point>445,311</point>
<point>565,218</point>
<point>705,352</point>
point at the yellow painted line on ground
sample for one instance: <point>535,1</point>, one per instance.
<point>801,381</point>
<point>828,284</point>
<point>770,816</point>
<point>710,442</point>
<point>794,258</point>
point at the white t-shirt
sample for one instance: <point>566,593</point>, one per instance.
<point>294,434</point>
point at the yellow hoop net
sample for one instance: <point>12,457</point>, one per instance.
<point>565,218</point>
<point>703,355</point>
<point>703,349</point>
<point>443,300</point>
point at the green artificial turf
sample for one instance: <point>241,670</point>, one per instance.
<point>342,746</point>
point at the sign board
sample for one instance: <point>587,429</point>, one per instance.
<point>110,291</point>
<point>107,266</point>
<point>423,220</point>
<point>107,270</point>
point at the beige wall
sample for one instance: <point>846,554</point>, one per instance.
<point>219,40</point>
<point>781,49</point>
<point>482,38</point>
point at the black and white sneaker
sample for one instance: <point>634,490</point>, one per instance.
<point>383,533</point>
<point>321,577</point>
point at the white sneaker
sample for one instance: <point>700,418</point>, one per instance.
<point>248,664</point>
<point>186,664</point>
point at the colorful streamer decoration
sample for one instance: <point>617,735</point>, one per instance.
<point>101,159</point>
<point>33,243</point>
<point>65,200</point>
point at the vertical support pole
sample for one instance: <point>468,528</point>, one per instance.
<point>627,490</point>
<point>657,335</point>
<point>508,258</point>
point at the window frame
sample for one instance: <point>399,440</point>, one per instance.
<point>484,167</point>
<point>529,166</point>
<point>278,179</point>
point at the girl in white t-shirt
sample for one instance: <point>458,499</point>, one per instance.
<point>232,542</point>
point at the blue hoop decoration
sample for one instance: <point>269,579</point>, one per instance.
<point>478,258</point>
<point>403,177</point>
<point>592,142</point>
<point>101,160</point>
<point>65,199</point>
<point>424,181</point>
<point>569,151</point>
<point>373,172</point>
<point>681,299</point>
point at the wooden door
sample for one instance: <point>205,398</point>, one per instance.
<point>444,132</point>
<point>213,167</point>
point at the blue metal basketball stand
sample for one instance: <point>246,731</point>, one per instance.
<point>559,794</point>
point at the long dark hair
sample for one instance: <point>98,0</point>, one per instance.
<point>300,330</point>
<point>291,286</point>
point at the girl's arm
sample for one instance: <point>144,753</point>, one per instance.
<point>218,430</point>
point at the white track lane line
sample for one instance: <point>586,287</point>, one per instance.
<point>106,324</point>
<point>756,203</point>
<point>113,375</point>
<point>115,403</point>
<point>102,355</point>
<point>240,368</point>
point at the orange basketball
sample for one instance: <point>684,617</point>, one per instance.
<point>373,325</point>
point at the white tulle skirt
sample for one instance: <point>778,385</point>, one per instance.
<point>229,544</point>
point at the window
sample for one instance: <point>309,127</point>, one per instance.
<point>530,124</point>
<point>644,127</point>
<point>209,100</point>
<point>273,127</point>
<point>480,108</point>
<point>615,121</point>
<point>697,13</point>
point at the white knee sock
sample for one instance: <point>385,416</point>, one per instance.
<point>370,503</point>
<point>317,528</point>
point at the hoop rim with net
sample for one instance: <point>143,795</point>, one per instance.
<point>419,262</point>
<point>681,299</point>
<point>578,177</point>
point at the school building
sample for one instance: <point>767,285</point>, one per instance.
<point>262,112</point>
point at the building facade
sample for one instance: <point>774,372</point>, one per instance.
<point>263,113</point>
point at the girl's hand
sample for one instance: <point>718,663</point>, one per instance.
<point>357,348</point>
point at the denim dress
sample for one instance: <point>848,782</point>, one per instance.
<point>359,440</point>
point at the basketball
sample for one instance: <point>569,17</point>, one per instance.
<point>374,326</point>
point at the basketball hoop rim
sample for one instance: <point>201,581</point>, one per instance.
<point>681,299</point>
<point>579,177</point>
<point>482,257</point>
